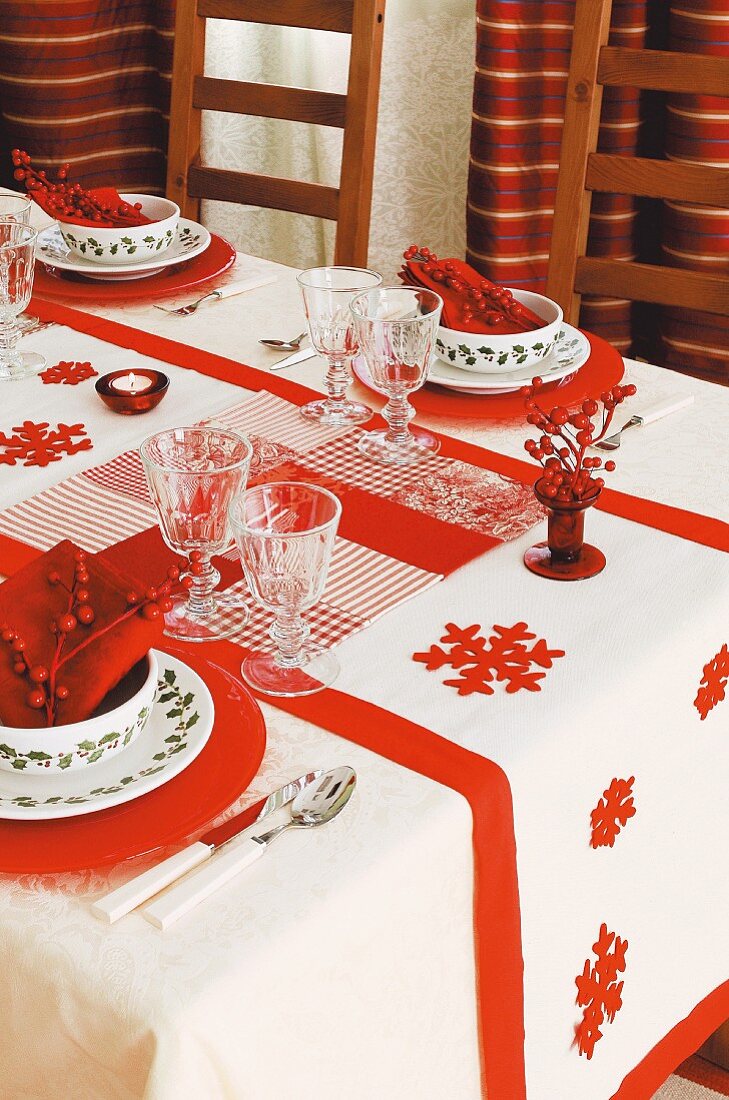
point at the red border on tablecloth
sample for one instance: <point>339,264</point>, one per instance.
<point>693,526</point>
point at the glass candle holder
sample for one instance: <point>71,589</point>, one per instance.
<point>132,392</point>
<point>565,555</point>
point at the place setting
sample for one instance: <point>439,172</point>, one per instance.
<point>103,244</point>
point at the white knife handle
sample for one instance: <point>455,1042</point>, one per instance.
<point>663,408</point>
<point>184,897</point>
<point>119,902</point>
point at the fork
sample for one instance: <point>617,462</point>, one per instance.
<point>649,414</point>
<point>185,311</point>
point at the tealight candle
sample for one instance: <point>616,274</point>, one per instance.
<point>132,392</point>
<point>131,383</point>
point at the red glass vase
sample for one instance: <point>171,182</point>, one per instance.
<point>565,556</point>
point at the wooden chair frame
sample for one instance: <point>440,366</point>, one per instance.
<point>583,170</point>
<point>188,180</point>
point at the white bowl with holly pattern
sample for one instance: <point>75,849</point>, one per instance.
<point>483,353</point>
<point>118,722</point>
<point>130,243</point>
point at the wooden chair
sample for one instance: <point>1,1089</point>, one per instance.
<point>188,180</point>
<point>583,170</point>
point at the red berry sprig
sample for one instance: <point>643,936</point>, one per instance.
<point>45,688</point>
<point>565,436</point>
<point>66,200</point>
<point>495,304</point>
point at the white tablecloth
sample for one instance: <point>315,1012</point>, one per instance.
<point>345,959</point>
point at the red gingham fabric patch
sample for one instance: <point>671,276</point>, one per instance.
<point>341,460</point>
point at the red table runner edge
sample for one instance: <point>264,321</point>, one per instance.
<point>693,526</point>
<point>497,926</point>
<point>682,1040</point>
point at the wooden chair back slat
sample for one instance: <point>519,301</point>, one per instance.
<point>185,119</point>
<point>583,170</point>
<point>269,101</point>
<point>188,180</point>
<point>657,179</point>
<point>268,191</point>
<point>582,122</point>
<point>663,71</point>
<point>358,149</point>
<point>323,15</point>
<point>666,286</point>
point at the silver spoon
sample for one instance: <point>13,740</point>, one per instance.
<point>285,345</point>
<point>317,804</point>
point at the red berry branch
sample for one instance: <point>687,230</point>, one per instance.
<point>46,688</point>
<point>478,299</point>
<point>62,200</point>
<point>562,446</point>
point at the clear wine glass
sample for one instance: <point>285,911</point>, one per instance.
<point>327,293</point>
<point>193,475</point>
<point>285,533</point>
<point>17,265</point>
<point>15,207</point>
<point>396,329</point>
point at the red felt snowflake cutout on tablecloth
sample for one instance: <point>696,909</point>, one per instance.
<point>67,374</point>
<point>613,811</point>
<point>713,683</point>
<point>598,990</point>
<point>503,656</point>
<point>35,445</point>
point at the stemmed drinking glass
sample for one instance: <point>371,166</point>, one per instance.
<point>396,329</point>
<point>193,475</point>
<point>285,533</point>
<point>17,260</point>
<point>327,293</point>
<point>15,208</point>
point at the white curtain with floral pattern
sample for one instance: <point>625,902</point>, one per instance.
<point>423,132</point>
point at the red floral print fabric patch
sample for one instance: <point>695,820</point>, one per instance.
<point>712,688</point>
<point>612,812</point>
<point>599,992</point>
<point>504,656</point>
<point>36,445</point>
<point>67,374</point>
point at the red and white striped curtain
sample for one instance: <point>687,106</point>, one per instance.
<point>88,81</point>
<point>523,51</point>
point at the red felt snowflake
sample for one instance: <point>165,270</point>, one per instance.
<point>599,992</point>
<point>613,811</point>
<point>713,683</point>
<point>67,374</point>
<point>504,656</point>
<point>37,446</point>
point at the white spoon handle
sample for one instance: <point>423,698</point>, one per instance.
<point>189,893</point>
<point>119,902</point>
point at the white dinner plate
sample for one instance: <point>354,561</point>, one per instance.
<point>176,732</point>
<point>192,239</point>
<point>570,353</point>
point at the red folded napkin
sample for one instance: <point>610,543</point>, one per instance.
<point>102,207</point>
<point>107,199</point>
<point>84,653</point>
<point>471,303</point>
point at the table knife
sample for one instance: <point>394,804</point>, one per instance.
<point>297,357</point>
<point>121,901</point>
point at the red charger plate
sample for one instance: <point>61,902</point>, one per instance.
<point>166,816</point>
<point>216,259</point>
<point>603,369</point>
